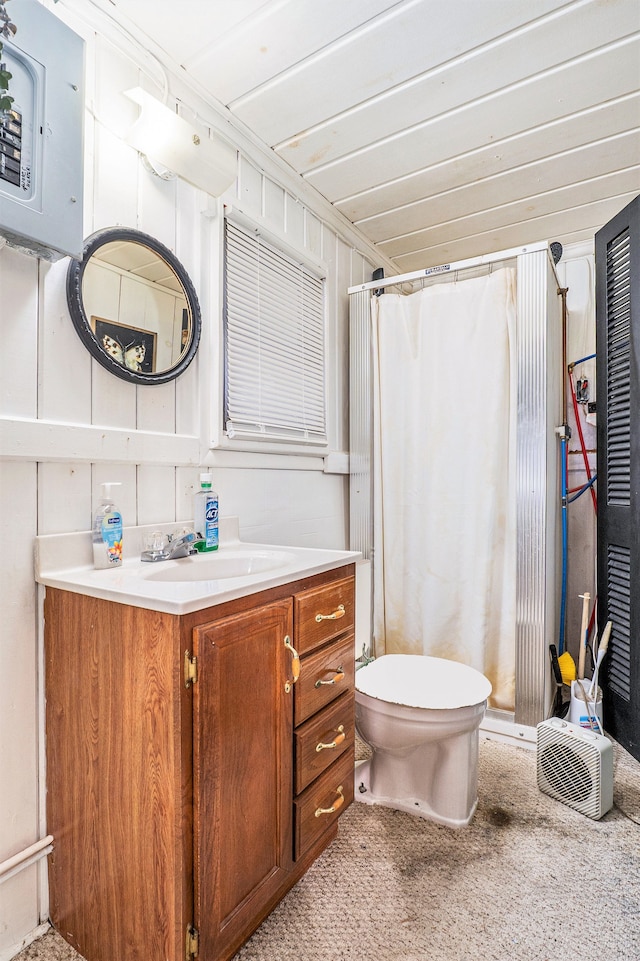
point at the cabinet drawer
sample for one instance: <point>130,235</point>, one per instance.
<point>323,739</point>
<point>317,808</point>
<point>324,676</point>
<point>322,613</point>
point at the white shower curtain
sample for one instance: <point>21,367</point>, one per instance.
<point>444,475</point>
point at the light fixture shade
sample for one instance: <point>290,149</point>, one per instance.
<point>166,139</point>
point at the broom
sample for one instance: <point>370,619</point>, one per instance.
<point>583,634</point>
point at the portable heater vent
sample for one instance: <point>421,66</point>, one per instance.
<point>575,766</point>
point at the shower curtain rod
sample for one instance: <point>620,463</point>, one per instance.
<point>446,268</point>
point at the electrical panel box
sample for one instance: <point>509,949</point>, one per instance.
<point>41,135</point>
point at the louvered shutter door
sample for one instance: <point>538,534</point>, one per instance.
<point>618,403</point>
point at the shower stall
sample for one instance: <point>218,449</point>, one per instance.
<point>536,401</point>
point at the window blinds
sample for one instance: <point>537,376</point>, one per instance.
<point>274,343</point>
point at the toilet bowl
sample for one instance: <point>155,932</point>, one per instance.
<point>420,715</point>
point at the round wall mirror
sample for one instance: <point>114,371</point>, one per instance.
<point>134,306</point>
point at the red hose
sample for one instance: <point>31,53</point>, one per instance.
<point>576,412</point>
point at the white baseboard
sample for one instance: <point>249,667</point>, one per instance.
<point>6,954</point>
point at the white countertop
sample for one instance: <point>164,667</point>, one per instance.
<point>65,561</point>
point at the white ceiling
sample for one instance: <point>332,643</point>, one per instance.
<point>441,130</point>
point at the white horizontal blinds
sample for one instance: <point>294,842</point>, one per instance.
<point>274,343</point>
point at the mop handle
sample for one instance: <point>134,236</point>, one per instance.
<point>602,650</point>
<point>583,630</point>
<point>604,643</point>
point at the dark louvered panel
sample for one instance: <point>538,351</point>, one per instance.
<point>618,370</point>
<point>617,246</point>
<point>618,587</point>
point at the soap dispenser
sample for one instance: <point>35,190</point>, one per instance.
<point>107,531</point>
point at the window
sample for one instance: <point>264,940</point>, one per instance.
<point>274,343</point>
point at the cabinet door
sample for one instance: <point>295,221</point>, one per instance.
<point>243,773</point>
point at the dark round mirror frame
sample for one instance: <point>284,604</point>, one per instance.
<point>80,320</point>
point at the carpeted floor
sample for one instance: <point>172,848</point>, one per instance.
<point>528,880</point>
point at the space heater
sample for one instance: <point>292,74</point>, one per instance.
<point>575,766</point>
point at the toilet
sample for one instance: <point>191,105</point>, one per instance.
<point>421,716</point>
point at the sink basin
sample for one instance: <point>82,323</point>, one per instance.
<point>204,567</point>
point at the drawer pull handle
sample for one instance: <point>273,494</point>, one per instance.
<point>337,677</point>
<point>339,739</point>
<point>331,617</point>
<point>295,664</point>
<point>339,801</point>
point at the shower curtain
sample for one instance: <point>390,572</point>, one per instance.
<point>444,475</point>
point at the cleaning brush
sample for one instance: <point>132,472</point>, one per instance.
<point>567,667</point>
<point>565,661</point>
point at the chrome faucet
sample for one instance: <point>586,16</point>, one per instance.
<point>178,544</point>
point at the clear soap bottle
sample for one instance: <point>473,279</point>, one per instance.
<point>107,531</point>
<point>205,515</point>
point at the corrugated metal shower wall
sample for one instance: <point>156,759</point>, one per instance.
<point>539,400</point>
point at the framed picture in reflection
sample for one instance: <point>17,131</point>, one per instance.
<point>132,347</point>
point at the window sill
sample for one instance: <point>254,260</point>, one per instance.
<point>329,462</point>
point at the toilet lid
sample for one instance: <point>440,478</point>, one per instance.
<point>416,680</point>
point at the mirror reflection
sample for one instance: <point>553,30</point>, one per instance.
<point>134,306</point>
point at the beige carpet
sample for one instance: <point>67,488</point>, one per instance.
<point>529,880</point>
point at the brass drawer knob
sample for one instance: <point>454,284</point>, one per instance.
<point>337,677</point>
<point>339,801</point>
<point>333,744</point>
<point>331,617</point>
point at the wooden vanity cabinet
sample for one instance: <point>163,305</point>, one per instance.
<point>182,784</point>
<point>324,709</point>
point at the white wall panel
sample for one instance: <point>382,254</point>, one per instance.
<point>313,234</point>
<point>294,222</point>
<point>157,408</point>
<point>114,72</point>
<point>187,482</point>
<point>18,666</point>
<point>64,370</point>
<point>156,494</point>
<point>117,169</point>
<point>249,187</point>
<point>125,496</point>
<point>189,206</point>
<point>273,205</point>
<point>157,207</point>
<point>19,909</point>
<point>64,497</point>
<point>113,402</point>
<point>19,327</point>
<point>285,507</point>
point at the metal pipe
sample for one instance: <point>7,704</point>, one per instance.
<point>22,860</point>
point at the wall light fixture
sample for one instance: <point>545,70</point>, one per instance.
<point>170,144</point>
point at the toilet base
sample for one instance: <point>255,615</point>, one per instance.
<point>418,807</point>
